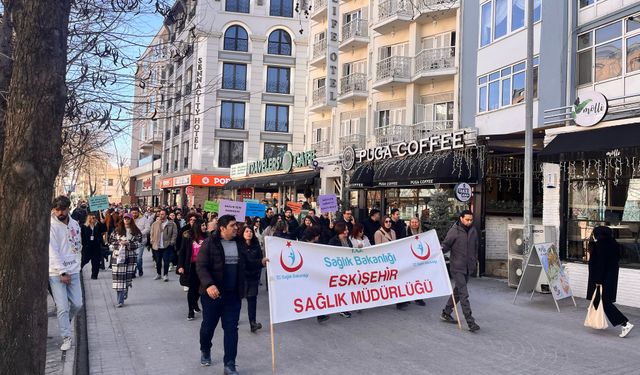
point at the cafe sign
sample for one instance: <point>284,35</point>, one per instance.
<point>589,108</point>
<point>282,163</point>
<point>435,143</point>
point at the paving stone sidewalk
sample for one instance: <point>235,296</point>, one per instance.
<point>58,362</point>
<point>151,335</point>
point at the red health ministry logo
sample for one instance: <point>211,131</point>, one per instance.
<point>420,246</point>
<point>295,261</point>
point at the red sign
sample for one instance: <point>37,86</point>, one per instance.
<point>208,180</point>
<point>190,190</point>
<point>295,207</point>
<point>166,183</point>
<point>146,184</point>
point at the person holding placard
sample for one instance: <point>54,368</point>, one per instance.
<point>462,243</point>
<point>603,272</point>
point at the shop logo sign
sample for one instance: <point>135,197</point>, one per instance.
<point>589,109</point>
<point>294,262</point>
<point>463,192</point>
<point>348,158</point>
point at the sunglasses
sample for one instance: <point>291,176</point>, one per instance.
<point>387,221</point>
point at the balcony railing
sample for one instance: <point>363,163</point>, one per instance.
<point>153,136</point>
<point>319,96</point>
<point>390,134</point>
<point>393,67</point>
<point>355,28</point>
<point>322,148</point>
<point>355,140</point>
<point>318,5</point>
<point>435,58</point>
<point>434,5</point>
<point>421,129</point>
<point>355,82</point>
<point>319,48</point>
<point>390,8</point>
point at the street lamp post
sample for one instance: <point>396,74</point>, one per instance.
<point>528,134</point>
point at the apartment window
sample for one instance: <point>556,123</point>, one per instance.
<point>231,152</point>
<point>234,76</point>
<point>185,155</point>
<point>586,3</point>
<point>278,79</point>
<point>497,15</point>
<point>186,121</point>
<point>609,51</point>
<point>273,150</point>
<point>277,118</point>
<point>176,123</point>
<point>281,8</point>
<point>505,87</point>
<point>232,115</point>
<point>240,6</point>
<point>279,43</point>
<point>110,182</point>
<point>236,39</point>
<point>174,157</point>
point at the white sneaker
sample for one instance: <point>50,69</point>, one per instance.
<point>626,329</point>
<point>66,344</point>
<point>157,277</point>
<point>172,268</point>
<point>186,288</point>
<point>165,278</point>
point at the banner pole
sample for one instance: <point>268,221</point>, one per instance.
<point>269,290</point>
<point>455,308</point>
<point>273,350</point>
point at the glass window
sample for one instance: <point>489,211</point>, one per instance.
<point>281,8</point>
<point>278,80</point>
<point>517,14</point>
<point>279,43</point>
<point>506,92</point>
<point>609,32</point>
<point>273,150</point>
<point>584,3</point>
<point>584,67</point>
<point>505,72</point>
<point>231,152</point>
<point>633,23</point>
<point>232,115</point>
<point>485,24</point>
<point>240,6</point>
<point>500,19</point>
<point>633,53</point>
<point>494,76</point>
<point>482,80</point>
<point>517,90</point>
<point>609,60</point>
<point>536,10</point>
<point>277,118</point>
<point>482,99</point>
<point>236,39</point>
<point>584,41</point>
<point>519,67</point>
<point>494,95</point>
<point>234,76</point>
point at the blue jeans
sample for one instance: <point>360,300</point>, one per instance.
<point>120,295</point>
<point>226,307</point>
<point>139,260</point>
<point>68,299</point>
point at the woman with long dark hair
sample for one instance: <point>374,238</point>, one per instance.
<point>124,241</point>
<point>603,272</point>
<point>249,245</point>
<point>192,240</point>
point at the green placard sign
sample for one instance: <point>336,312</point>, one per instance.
<point>98,203</point>
<point>211,206</point>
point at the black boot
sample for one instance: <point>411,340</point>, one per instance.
<point>255,326</point>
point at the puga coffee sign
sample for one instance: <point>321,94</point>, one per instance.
<point>589,108</point>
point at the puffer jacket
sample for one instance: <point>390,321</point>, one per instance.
<point>463,245</point>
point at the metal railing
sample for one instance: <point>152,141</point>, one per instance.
<point>318,6</point>
<point>390,8</point>
<point>354,82</point>
<point>319,96</point>
<point>322,148</point>
<point>319,48</point>
<point>421,129</point>
<point>355,140</point>
<point>154,136</point>
<point>355,28</point>
<point>435,5</point>
<point>393,67</point>
<point>434,59</point>
<point>390,134</point>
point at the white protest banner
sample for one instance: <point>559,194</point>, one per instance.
<point>307,279</point>
<point>328,203</point>
<point>236,209</point>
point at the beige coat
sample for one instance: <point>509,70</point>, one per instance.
<point>170,234</point>
<point>381,236</point>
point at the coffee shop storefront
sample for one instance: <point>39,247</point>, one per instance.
<point>275,181</point>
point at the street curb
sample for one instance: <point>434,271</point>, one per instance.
<point>81,359</point>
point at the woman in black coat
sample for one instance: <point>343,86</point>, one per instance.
<point>249,245</point>
<point>603,270</point>
<point>192,240</point>
<point>91,233</point>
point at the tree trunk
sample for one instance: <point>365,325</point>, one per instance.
<point>6,51</point>
<point>32,156</point>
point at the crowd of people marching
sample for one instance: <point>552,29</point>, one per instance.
<point>219,260</point>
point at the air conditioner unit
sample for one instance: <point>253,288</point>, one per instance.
<point>516,251</point>
<point>515,240</point>
<point>515,265</point>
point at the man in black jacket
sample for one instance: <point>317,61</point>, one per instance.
<point>372,224</point>
<point>221,269</point>
<point>292,223</point>
<point>347,219</point>
<point>397,224</point>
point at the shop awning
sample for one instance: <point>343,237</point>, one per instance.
<point>612,141</point>
<point>362,177</point>
<point>449,168</point>
<point>273,181</point>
